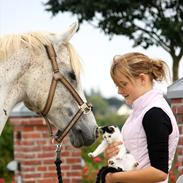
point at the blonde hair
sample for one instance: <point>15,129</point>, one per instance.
<point>133,64</point>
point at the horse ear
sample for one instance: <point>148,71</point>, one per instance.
<point>69,32</point>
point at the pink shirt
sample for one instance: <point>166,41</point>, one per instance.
<point>133,133</point>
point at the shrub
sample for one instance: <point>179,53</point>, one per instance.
<point>6,152</point>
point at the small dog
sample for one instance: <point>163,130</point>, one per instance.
<point>123,161</point>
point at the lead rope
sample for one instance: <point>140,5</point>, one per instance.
<point>58,162</point>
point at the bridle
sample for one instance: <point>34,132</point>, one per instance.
<point>84,107</point>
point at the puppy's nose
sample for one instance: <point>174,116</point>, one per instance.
<point>111,162</point>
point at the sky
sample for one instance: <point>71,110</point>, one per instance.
<point>93,46</point>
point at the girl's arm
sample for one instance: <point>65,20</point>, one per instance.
<point>157,126</point>
<point>146,175</point>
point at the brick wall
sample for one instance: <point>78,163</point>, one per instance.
<point>36,154</point>
<point>177,108</point>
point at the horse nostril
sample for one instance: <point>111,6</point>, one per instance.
<point>97,132</point>
<point>79,130</point>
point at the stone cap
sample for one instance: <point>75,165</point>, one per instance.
<point>176,89</point>
<point>21,110</point>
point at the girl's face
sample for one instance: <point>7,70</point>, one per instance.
<point>131,90</point>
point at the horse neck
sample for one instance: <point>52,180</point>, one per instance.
<point>11,72</point>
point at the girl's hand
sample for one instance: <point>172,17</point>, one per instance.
<point>112,149</point>
<point>108,179</point>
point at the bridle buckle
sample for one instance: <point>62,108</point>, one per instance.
<point>86,108</point>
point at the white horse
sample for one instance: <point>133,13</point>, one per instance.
<point>26,75</point>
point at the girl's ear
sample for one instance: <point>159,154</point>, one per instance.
<point>143,78</point>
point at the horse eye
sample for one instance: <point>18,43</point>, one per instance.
<point>72,76</point>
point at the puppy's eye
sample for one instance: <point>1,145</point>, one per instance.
<point>72,75</point>
<point>109,135</point>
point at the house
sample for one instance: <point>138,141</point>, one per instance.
<point>124,110</point>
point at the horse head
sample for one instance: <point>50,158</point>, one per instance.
<point>28,75</point>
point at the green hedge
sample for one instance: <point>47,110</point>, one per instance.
<point>6,152</point>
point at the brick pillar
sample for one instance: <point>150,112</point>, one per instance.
<point>36,154</point>
<point>177,108</point>
<point>175,94</point>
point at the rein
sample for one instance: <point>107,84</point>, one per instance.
<point>84,107</point>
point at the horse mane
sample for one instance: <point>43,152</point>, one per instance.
<point>9,44</point>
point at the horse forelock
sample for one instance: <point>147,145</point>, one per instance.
<point>9,44</point>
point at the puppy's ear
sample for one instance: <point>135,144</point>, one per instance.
<point>111,129</point>
<point>102,129</point>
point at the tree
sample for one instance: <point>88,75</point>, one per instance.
<point>146,22</point>
<point>114,102</point>
<point>100,105</point>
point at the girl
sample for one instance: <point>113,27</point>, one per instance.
<point>150,133</point>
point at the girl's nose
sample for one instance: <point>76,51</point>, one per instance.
<point>120,91</point>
